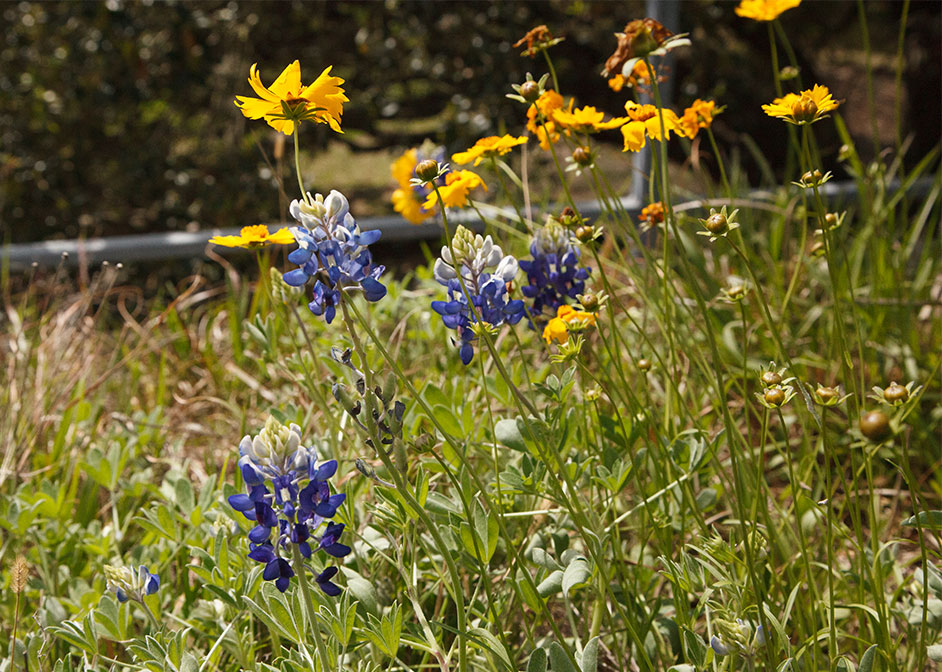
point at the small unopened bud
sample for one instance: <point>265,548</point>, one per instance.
<point>427,170</point>
<point>895,392</point>
<point>831,220</point>
<point>812,177</point>
<point>530,91</point>
<point>582,156</point>
<point>875,426</point>
<point>805,109</point>
<point>774,396</point>
<point>736,292</point>
<point>717,224</point>
<point>590,302</point>
<point>644,364</point>
<point>770,378</point>
<point>584,234</point>
<point>826,394</point>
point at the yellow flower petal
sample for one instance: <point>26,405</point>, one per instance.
<point>288,84</point>
<point>764,10</point>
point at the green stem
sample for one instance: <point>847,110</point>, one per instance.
<point>297,161</point>
<point>301,572</point>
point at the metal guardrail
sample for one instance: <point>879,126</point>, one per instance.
<point>151,247</point>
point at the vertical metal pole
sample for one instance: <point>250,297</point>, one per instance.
<point>667,12</point>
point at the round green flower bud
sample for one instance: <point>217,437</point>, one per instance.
<point>826,394</point>
<point>530,91</point>
<point>584,234</point>
<point>427,170</point>
<point>717,223</point>
<point>644,364</point>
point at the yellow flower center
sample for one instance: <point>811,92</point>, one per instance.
<point>257,233</point>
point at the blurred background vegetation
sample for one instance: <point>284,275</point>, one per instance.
<point>118,117</point>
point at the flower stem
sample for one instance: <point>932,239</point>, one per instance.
<point>301,571</point>
<point>297,161</point>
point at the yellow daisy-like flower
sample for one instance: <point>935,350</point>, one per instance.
<point>639,77</point>
<point>406,204</point>
<point>488,148</point>
<point>806,107</point>
<point>253,237</point>
<point>557,329</point>
<point>403,168</point>
<point>645,122</point>
<point>586,120</point>
<point>765,10</point>
<point>321,101</point>
<point>698,115</point>
<point>458,184</point>
<point>546,104</point>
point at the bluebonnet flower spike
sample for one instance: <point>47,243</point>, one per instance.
<point>333,252</point>
<point>289,500</point>
<point>485,294</point>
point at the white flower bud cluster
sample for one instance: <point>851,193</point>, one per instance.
<point>275,448</point>
<point>476,255</point>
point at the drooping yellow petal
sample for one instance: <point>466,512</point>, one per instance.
<point>325,93</point>
<point>633,133</point>
<point>281,237</point>
<point>764,10</point>
<point>255,81</point>
<point>256,108</point>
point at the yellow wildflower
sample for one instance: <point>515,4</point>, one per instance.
<point>567,317</point>
<point>638,78</point>
<point>698,115</point>
<point>254,236</point>
<point>488,148</point>
<point>458,183</point>
<point>764,10</point>
<point>321,101</point>
<point>651,215</point>
<point>806,107</point>
<point>645,122</point>
<point>546,105</point>
<point>585,120</point>
<point>403,168</point>
<point>407,200</point>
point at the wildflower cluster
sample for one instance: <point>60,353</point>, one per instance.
<point>553,273</point>
<point>333,251</point>
<point>567,320</point>
<point>289,500</point>
<point>130,585</point>
<point>739,637</point>
<point>409,198</point>
<point>476,294</point>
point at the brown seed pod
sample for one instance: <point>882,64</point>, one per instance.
<point>895,392</point>
<point>875,426</point>
<point>771,378</point>
<point>774,396</point>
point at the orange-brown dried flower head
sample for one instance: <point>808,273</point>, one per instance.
<point>537,39</point>
<point>639,38</point>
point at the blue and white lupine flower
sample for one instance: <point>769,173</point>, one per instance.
<point>130,585</point>
<point>483,291</point>
<point>738,636</point>
<point>333,252</point>
<point>554,272</point>
<point>290,502</point>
